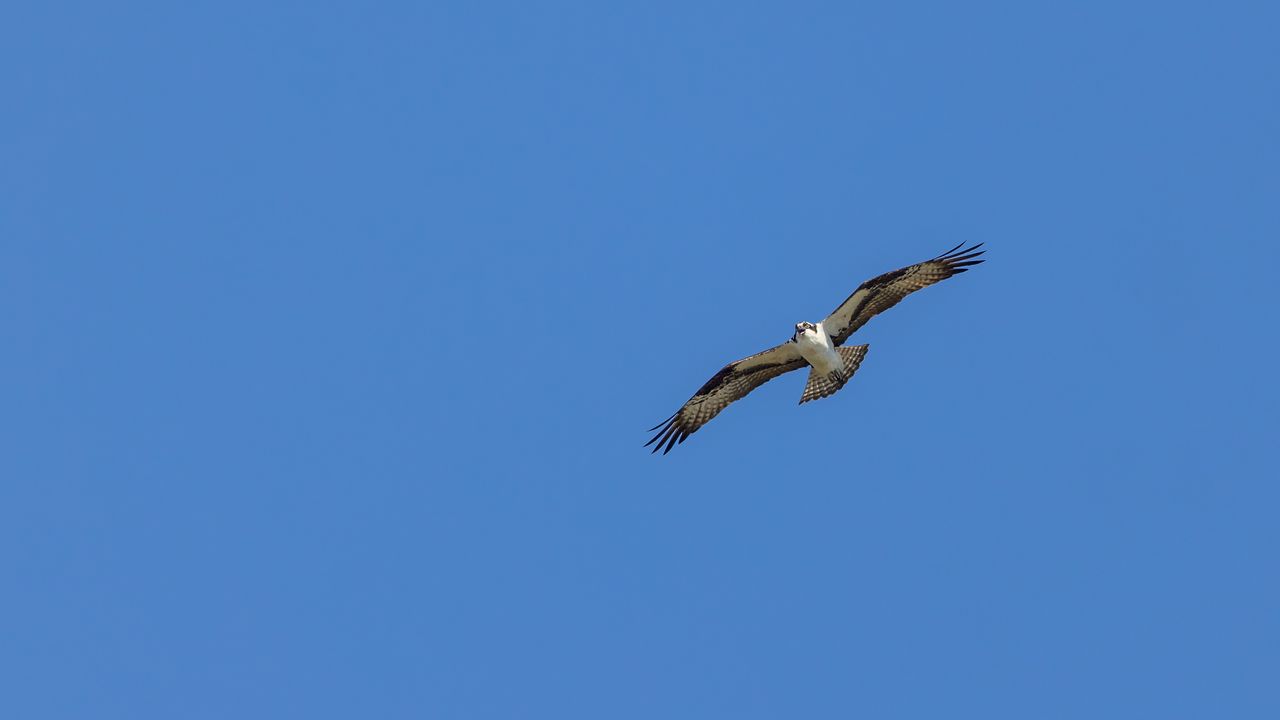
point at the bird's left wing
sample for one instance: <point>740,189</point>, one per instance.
<point>733,381</point>
<point>881,293</point>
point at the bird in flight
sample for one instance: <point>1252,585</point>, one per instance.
<point>818,346</point>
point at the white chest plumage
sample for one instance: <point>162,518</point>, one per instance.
<point>816,347</point>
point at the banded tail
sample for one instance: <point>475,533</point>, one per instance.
<point>820,386</point>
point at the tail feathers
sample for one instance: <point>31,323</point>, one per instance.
<point>821,385</point>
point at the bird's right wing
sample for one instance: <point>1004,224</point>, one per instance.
<point>733,381</point>
<point>881,293</point>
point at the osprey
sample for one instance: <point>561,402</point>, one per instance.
<point>819,346</point>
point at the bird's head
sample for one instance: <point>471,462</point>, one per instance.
<point>802,328</point>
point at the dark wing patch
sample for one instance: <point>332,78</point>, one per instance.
<point>733,382</point>
<point>881,293</point>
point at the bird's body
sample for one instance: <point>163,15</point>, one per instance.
<point>815,346</point>
<point>819,346</point>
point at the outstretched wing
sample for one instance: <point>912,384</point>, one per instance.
<point>733,381</point>
<point>881,293</point>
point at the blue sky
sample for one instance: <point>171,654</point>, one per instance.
<point>333,330</point>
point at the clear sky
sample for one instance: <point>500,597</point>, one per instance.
<point>332,332</point>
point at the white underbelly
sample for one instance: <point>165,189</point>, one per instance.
<point>819,354</point>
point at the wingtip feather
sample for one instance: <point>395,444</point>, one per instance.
<point>664,422</point>
<point>670,443</point>
<point>960,252</point>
